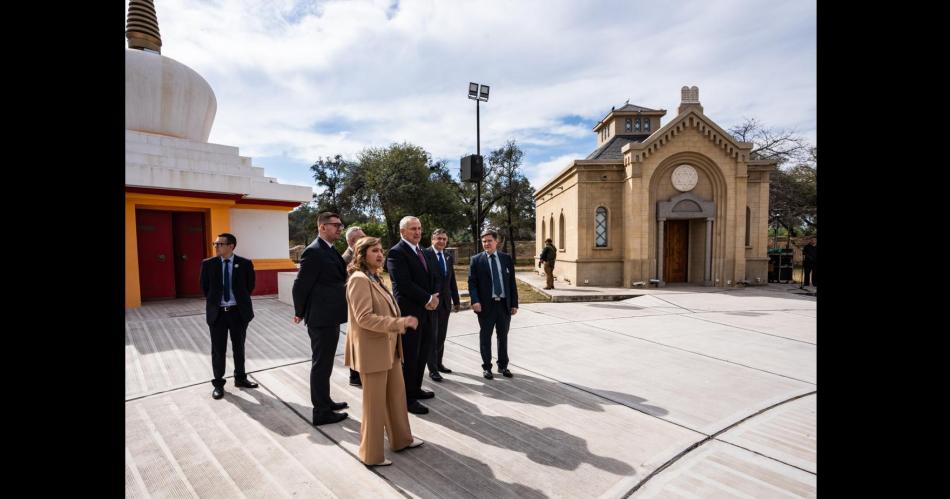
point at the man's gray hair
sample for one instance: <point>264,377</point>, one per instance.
<point>405,221</point>
<point>350,232</point>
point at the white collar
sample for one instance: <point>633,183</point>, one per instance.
<point>413,246</point>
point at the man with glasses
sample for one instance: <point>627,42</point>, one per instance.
<point>227,281</point>
<point>320,301</point>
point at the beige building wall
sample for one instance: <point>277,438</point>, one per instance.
<point>631,189</point>
<point>560,205</point>
<point>600,185</point>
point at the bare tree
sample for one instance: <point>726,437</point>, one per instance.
<point>793,199</point>
<point>768,143</point>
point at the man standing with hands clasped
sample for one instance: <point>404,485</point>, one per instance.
<point>491,284</point>
<point>416,284</point>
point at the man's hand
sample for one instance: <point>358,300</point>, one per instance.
<point>297,319</point>
<point>477,308</point>
<point>412,322</point>
<point>433,302</point>
<point>456,308</point>
<point>514,311</point>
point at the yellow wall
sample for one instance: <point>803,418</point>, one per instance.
<point>274,264</point>
<point>217,219</point>
<point>217,214</point>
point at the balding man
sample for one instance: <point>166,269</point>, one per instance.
<point>352,235</point>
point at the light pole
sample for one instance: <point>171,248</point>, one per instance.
<point>478,93</point>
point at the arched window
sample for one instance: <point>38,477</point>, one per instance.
<point>600,227</point>
<point>646,124</point>
<point>544,232</point>
<point>628,125</point>
<point>560,234</point>
<point>748,226</point>
<point>636,125</point>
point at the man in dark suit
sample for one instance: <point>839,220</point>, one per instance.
<point>444,267</point>
<point>227,281</point>
<point>491,285</point>
<point>416,284</point>
<point>320,301</point>
<point>810,264</point>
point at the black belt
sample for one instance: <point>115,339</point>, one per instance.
<point>230,308</point>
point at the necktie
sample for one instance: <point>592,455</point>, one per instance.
<point>227,281</point>
<point>442,263</point>
<point>495,277</point>
<point>422,258</point>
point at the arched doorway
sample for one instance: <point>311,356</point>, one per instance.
<point>678,220</point>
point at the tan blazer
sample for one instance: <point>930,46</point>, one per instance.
<point>373,326</point>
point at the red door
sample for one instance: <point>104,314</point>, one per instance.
<point>189,251</point>
<point>156,259</point>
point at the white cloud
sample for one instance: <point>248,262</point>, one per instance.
<point>540,173</point>
<point>310,79</point>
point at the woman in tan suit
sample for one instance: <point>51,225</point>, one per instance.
<point>373,348</point>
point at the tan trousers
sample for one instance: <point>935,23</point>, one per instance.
<point>384,407</point>
<point>549,274</point>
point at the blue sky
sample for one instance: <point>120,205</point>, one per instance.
<point>295,81</point>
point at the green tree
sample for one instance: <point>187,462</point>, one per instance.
<point>331,174</point>
<point>793,199</point>
<point>402,179</point>
<point>514,213</point>
<point>466,194</point>
<point>793,187</point>
<point>303,224</point>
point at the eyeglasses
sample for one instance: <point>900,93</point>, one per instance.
<point>220,244</point>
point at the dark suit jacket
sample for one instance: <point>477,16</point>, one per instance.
<point>548,254</point>
<point>412,284</point>
<point>320,287</point>
<point>450,287</point>
<point>810,252</point>
<point>242,284</point>
<point>479,280</point>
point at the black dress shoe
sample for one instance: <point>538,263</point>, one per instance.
<point>329,418</point>
<point>446,370</point>
<point>336,406</point>
<point>356,382</point>
<point>217,393</point>
<point>416,408</point>
<point>435,376</point>
<point>425,394</point>
<point>245,383</point>
<point>487,374</point>
<point>506,373</point>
